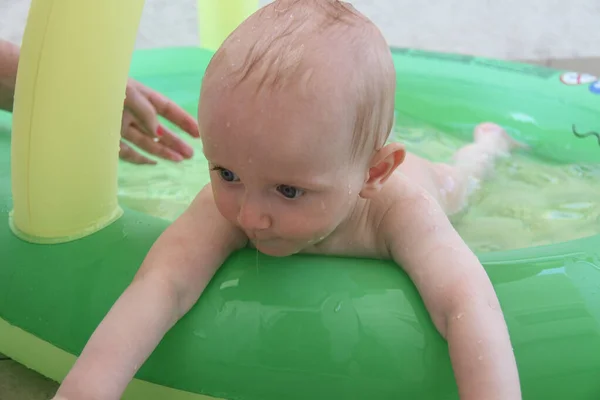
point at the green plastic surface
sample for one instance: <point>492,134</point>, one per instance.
<point>308,327</point>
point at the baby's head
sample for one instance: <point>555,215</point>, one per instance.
<point>295,110</point>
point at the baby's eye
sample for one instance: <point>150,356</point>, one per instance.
<point>226,174</point>
<point>289,191</point>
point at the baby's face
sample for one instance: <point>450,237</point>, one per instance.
<point>280,169</point>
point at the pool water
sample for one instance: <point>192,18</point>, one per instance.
<point>527,201</point>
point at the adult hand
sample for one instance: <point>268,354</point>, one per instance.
<point>140,126</point>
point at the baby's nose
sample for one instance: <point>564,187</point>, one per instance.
<point>252,216</point>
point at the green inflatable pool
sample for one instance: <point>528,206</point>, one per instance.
<point>308,327</point>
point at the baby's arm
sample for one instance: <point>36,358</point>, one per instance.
<point>175,272</point>
<point>458,294</point>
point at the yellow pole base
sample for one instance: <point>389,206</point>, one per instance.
<point>218,18</point>
<point>69,96</point>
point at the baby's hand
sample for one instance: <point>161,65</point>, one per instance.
<point>141,127</point>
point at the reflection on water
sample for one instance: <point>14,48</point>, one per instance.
<point>527,202</point>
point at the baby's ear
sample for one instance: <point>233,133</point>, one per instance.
<point>382,165</point>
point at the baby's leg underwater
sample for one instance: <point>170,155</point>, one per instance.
<point>473,163</point>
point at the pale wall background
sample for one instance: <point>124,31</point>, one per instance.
<point>514,29</point>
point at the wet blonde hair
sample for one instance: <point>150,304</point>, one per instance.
<point>293,40</point>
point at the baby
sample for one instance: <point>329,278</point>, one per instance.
<point>295,111</point>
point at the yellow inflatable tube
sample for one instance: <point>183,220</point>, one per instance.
<point>67,116</point>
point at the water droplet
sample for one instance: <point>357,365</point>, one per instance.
<point>228,124</point>
<point>479,341</point>
<point>338,307</point>
<point>460,315</point>
<point>480,358</point>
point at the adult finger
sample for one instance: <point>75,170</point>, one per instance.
<point>126,153</point>
<point>168,138</point>
<point>146,143</point>
<point>171,111</point>
<point>141,108</point>
<point>175,143</point>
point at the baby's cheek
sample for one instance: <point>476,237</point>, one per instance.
<point>227,205</point>
<point>312,226</point>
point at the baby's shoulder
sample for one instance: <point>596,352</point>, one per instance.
<point>410,209</point>
<point>403,193</point>
<point>364,232</point>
